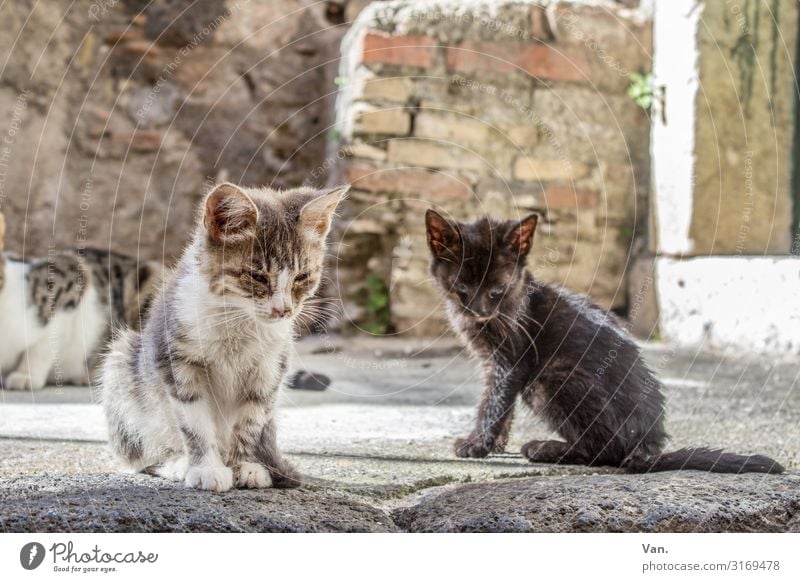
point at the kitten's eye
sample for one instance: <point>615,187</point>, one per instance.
<point>259,278</point>
<point>302,278</point>
<point>496,293</point>
<point>460,288</point>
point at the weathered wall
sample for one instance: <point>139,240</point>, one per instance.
<point>722,156</point>
<point>744,303</point>
<point>744,129</point>
<point>115,113</point>
<point>499,108</point>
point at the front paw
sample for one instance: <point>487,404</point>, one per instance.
<point>499,447</point>
<point>253,476</point>
<point>174,469</point>
<point>470,448</point>
<point>21,381</point>
<point>217,478</point>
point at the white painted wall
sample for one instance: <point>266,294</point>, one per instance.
<point>751,303</point>
<point>675,56</point>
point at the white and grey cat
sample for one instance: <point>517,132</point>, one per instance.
<point>192,397</point>
<point>58,312</point>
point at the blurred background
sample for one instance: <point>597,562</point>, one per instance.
<point>656,138</point>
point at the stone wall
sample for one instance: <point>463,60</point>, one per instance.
<point>742,200</point>
<point>723,156</point>
<point>723,139</point>
<point>500,108</point>
<point>116,113</point>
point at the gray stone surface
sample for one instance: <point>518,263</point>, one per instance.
<point>665,502</point>
<point>375,450</point>
<point>137,503</point>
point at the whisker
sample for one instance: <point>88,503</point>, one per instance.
<point>531,319</point>
<point>514,322</point>
<point>210,323</point>
<point>322,307</point>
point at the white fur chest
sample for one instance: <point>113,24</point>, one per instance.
<point>461,325</point>
<point>227,335</point>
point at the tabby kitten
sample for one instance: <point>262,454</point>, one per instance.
<point>57,313</point>
<point>192,397</point>
<point>551,348</point>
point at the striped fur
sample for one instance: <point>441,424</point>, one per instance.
<point>58,312</point>
<point>192,397</point>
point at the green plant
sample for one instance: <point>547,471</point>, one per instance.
<point>641,89</point>
<point>374,296</point>
<point>334,134</point>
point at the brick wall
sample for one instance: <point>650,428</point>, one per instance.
<point>500,108</point>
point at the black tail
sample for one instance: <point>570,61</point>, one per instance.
<point>704,459</point>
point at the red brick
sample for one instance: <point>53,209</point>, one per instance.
<point>141,140</point>
<point>124,35</point>
<point>545,62</point>
<point>567,197</point>
<point>406,181</point>
<point>538,60</point>
<point>483,56</point>
<point>410,51</point>
<point>98,131</point>
<point>141,47</point>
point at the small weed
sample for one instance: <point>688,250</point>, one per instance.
<point>641,89</point>
<point>374,296</point>
<point>334,135</point>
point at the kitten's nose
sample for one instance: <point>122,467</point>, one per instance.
<point>278,312</point>
<point>479,309</point>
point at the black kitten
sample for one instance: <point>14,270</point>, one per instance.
<point>563,355</point>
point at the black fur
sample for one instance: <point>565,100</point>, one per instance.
<point>560,354</point>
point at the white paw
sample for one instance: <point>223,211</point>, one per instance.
<point>211,477</point>
<point>253,476</point>
<point>21,381</point>
<point>175,469</point>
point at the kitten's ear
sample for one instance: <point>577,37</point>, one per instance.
<point>442,236</point>
<point>145,272</point>
<point>520,238</point>
<point>316,216</point>
<point>230,214</point>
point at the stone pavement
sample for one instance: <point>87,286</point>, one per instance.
<point>376,451</point>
